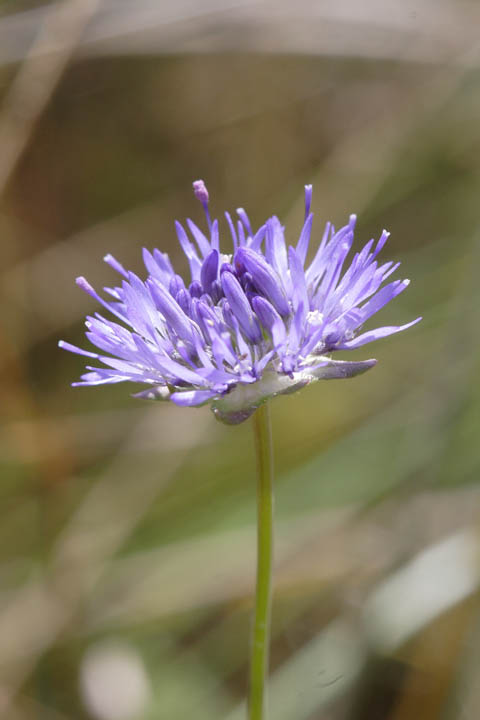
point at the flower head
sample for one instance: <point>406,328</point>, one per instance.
<point>254,323</point>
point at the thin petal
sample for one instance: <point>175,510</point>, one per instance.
<point>372,335</point>
<point>110,260</point>
<point>245,220</point>
<point>111,307</point>
<point>79,351</point>
<point>240,306</point>
<point>202,242</point>
<point>266,280</point>
<point>190,252</point>
<point>382,297</point>
<point>209,270</point>
<point>297,273</point>
<point>171,310</point>
<point>304,239</point>
<point>308,200</point>
<point>96,378</point>
<point>258,238</point>
<point>233,232</point>
<point>271,320</point>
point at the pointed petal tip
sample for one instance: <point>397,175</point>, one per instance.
<point>180,230</point>
<point>308,199</point>
<point>341,369</point>
<point>362,365</point>
<point>83,283</point>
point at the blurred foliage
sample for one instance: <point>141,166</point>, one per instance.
<point>134,523</point>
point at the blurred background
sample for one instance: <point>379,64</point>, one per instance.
<point>127,528</point>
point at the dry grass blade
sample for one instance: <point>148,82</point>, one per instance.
<point>38,76</point>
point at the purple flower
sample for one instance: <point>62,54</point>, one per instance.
<point>251,324</point>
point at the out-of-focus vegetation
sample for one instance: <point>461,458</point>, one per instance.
<point>127,528</point>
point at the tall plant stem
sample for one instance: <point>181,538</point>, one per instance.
<point>261,629</point>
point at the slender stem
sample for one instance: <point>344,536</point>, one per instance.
<point>261,628</point>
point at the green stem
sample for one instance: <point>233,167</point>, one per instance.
<point>261,628</point>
